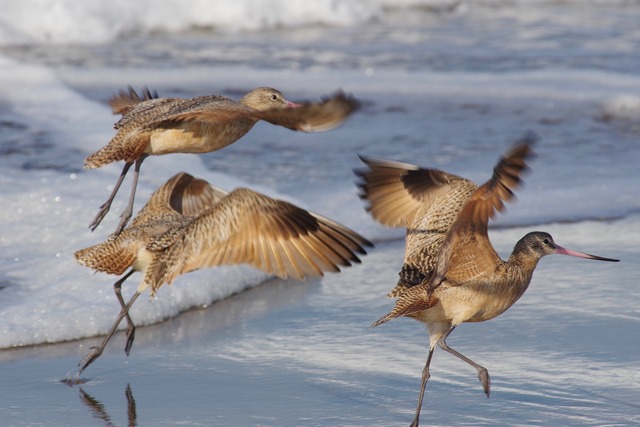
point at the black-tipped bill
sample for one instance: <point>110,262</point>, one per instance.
<point>563,251</point>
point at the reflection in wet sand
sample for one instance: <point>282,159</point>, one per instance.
<point>100,412</point>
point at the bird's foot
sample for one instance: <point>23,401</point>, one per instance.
<point>89,359</point>
<point>131,332</point>
<point>483,376</point>
<point>124,219</point>
<point>102,212</point>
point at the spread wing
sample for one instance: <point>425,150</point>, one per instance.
<point>248,227</point>
<point>395,191</point>
<point>467,252</point>
<point>206,109</point>
<point>308,117</point>
<point>181,195</point>
<point>313,117</point>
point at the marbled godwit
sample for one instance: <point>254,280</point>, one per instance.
<point>451,272</point>
<point>188,224</point>
<point>155,126</point>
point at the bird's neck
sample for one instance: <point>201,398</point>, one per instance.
<point>523,260</point>
<point>520,266</point>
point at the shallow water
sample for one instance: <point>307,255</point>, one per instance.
<point>287,353</point>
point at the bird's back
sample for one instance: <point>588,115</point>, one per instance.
<point>425,201</point>
<point>427,232</point>
<point>171,206</point>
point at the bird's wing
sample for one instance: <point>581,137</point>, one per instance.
<point>181,195</point>
<point>248,227</point>
<point>205,109</point>
<point>467,252</point>
<point>312,116</point>
<point>395,191</point>
<point>125,101</point>
<point>308,117</point>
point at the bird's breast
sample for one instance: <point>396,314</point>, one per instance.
<point>196,137</point>
<point>468,303</point>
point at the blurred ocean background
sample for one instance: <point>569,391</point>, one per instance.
<point>445,84</point>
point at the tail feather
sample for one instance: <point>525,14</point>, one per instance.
<point>108,257</point>
<point>412,301</point>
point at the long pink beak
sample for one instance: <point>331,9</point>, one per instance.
<point>563,251</point>
<point>290,104</point>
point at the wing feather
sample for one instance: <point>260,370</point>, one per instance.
<point>397,191</point>
<point>467,252</point>
<point>312,117</point>
<point>181,195</point>
<point>272,235</point>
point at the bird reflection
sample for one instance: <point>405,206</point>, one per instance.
<point>99,411</point>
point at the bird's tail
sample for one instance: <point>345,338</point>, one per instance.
<point>413,300</point>
<point>109,257</point>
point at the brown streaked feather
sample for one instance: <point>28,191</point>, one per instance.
<point>202,109</point>
<point>113,256</point>
<point>122,147</point>
<point>467,252</point>
<point>309,117</point>
<point>208,123</point>
<point>124,101</point>
<point>413,300</point>
<point>169,207</point>
<point>248,227</point>
<point>396,191</point>
<point>181,195</point>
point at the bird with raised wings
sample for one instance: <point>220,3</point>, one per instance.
<point>188,224</point>
<point>451,273</point>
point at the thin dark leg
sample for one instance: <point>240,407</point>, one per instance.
<point>131,328</point>
<point>126,214</point>
<point>97,351</point>
<point>483,374</point>
<point>423,385</point>
<point>107,205</point>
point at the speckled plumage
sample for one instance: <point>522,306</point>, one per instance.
<point>156,126</point>
<point>424,201</point>
<point>188,224</point>
<point>451,272</point>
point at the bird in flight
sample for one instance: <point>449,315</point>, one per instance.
<point>151,125</point>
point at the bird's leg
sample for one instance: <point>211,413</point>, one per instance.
<point>483,374</point>
<point>423,385</point>
<point>126,214</point>
<point>104,208</point>
<point>97,351</point>
<point>131,328</point>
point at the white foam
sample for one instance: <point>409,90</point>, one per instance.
<point>95,21</point>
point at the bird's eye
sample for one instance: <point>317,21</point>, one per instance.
<point>274,97</point>
<point>545,241</point>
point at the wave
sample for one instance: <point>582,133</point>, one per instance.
<point>72,22</point>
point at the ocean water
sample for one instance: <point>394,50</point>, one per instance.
<point>443,84</point>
